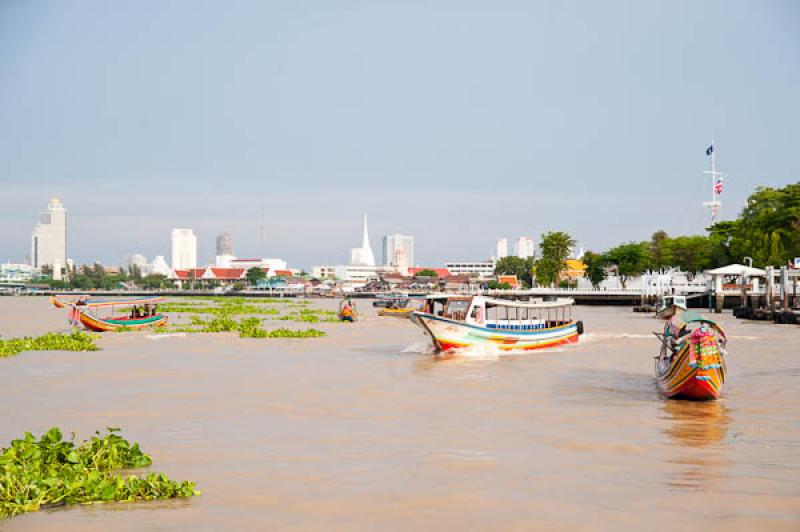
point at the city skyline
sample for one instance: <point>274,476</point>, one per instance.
<point>339,108</point>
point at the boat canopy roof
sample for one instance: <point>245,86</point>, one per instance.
<point>123,302</point>
<point>539,303</point>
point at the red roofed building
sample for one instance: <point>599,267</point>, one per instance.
<point>440,272</point>
<point>512,280</point>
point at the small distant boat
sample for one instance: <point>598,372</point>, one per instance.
<point>390,299</point>
<point>347,311</point>
<point>143,314</point>
<point>516,326</point>
<point>403,308</point>
<point>691,364</point>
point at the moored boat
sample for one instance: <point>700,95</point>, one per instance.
<point>510,326</point>
<point>144,313</point>
<point>691,364</point>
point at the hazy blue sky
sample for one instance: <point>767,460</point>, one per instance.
<point>456,122</point>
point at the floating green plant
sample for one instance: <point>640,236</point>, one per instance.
<point>52,472</point>
<point>76,341</point>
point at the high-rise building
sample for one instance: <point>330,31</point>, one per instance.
<point>363,256</point>
<point>398,250</point>
<point>184,249</point>
<point>49,239</point>
<point>502,248</point>
<point>224,244</point>
<point>524,247</point>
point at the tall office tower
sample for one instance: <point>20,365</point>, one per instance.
<point>224,244</point>
<point>49,239</point>
<point>502,248</point>
<point>184,249</point>
<point>398,250</point>
<point>524,247</point>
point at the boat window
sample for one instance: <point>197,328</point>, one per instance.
<point>457,309</point>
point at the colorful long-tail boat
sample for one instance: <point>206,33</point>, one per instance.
<point>691,364</point>
<point>515,326</point>
<point>403,308</point>
<point>88,315</point>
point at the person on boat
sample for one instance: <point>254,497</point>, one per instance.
<point>675,326</point>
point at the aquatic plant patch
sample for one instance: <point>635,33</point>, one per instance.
<point>289,333</point>
<point>76,341</point>
<point>51,472</point>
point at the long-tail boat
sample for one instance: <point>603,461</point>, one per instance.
<point>691,364</point>
<point>143,314</point>
<point>515,326</point>
<point>347,311</point>
<point>403,308</point>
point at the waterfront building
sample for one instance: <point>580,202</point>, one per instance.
<point>11,273</point>
<point>363,256</point>
<point>224,244</point>
<point>184,249</point>
<point>483,269</point>
<point>524,247</point>
<point>323,272</point>
<point>271,266</point>
<point>49,239</point>
<point>502,248</point>
<point>398,250</point>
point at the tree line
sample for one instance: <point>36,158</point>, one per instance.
<point>767,230</point>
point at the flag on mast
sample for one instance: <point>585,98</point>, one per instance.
<point>710,149</point>
<point>718,185</point>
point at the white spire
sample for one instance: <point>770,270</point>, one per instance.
<point>366,250</point>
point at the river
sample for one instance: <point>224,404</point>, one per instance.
<point>364,430</point>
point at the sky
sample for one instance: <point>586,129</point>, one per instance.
<point>456,122</point>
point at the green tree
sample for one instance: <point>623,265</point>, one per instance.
<point>595,267</point>
<point>426,273</point>
<point>522,268</point>
<point>154,281</point>
<point>254,275</point>
<point>555,250</point>
<point>628,259</point>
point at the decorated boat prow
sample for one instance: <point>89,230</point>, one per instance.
<point>691,364</point>
<point>510,326</point>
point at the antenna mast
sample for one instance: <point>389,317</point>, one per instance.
<point>715,205</point>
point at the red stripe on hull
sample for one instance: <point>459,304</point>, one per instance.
<point>447,346</point>
<point>699,390</point>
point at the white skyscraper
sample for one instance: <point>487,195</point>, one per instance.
<point>398,250</point>
<point>524,247</point>
<point>363,256</point>
<point>502,248</point>
<point>184,249</point>
<point>49,239</point>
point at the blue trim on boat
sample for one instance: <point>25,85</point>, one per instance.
<point>495,331</point>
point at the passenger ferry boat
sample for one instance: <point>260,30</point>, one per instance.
<point>455,321</point>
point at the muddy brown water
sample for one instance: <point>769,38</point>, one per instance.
<point>362,430</point>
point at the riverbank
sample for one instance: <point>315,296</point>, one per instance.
<point>362,429</point>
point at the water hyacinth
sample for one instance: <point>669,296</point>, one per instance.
<point>52,472</point>
<point>76,341</point>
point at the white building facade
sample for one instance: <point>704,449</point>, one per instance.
<point>49,239</point>
<point>524,247</point>
<point>184,249</point>
<point>502,248</point>
<point>479,268</point>
<point>398,250</point>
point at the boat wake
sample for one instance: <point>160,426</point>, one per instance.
<point>168,335</point>
<point>596,337</point>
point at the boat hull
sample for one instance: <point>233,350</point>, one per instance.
<point>396,312</point>
<point>56,303</point>
<point>446,334</point>
<point>94,323</point>
<point>691,375</point>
